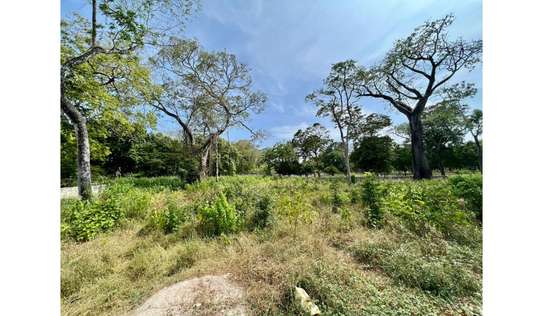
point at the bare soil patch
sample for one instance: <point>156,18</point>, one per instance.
<point>207,295</point>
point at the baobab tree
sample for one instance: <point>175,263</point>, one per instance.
<point>127,26</point>
<point>205,92</point>
<point>338,100</point>
<point>413,72</point>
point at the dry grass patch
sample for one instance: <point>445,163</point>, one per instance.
<point>345,267</point>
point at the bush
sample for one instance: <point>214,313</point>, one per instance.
<point>83,220</point>
<point>338,198</point>
<point>469,187</point>
<point>86,219</point>
<point>218,218</point>
<point>296,209</point>
<point>169,219</point>
<point>262,216</point>
<point>370,198</point>
<point>422,205</point>
<point>331,170</point>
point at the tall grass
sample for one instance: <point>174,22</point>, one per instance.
<point>273,234</point>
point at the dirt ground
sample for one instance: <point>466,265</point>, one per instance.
<point>207,295</point>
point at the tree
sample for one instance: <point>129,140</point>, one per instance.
<point>93,62</point>
<point>474,124</point>
<point>310,143</point>
<point>372,124</point>
<point>163,155</point>
<point>338,100</point>
<point>205,92</point>
<point>111,136</point>
<point>413,72</point>
<point>464,156</point>
<point>249,156</point>
<point>283,159</point>
<point>373,153</point>
<point>401,157</point>
<point>444,129</point>
<point>332,159</point>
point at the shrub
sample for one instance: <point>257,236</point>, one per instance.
<point>338,198</point>
<point>169,219</point>
<point>262,216</point>
<point>469,187</point>
<point>355,195</point>
<point>422,205</point>
<point>219,217</point>
<point>331,170</point>
<point>83,220</point>
<point>87,218</point>
<point>346,218</point>
<point>135,203</point>
<point>296,209</point>
<point>370,198</point>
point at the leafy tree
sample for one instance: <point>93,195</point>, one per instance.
<point>415,70</point>
<point>444,129</point>
<point>120,139</point>
<point>338,100</point>
<point>162,155</point>
<point>372,124</point>
<point>310,143</point>
<point>249,156</point>
<point>205,92</point>
<point>463,156</point>
<point>373,154</point>
<point>474,124</point>
<point>332,159</point>
<point>401,157</point>
<point>99,65</point>
<point>283,159</point>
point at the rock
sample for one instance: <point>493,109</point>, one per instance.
<point>305,302</point>
<point>207,295</point>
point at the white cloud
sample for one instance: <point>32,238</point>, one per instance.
<point>286,132</point>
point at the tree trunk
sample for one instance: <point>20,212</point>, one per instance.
<point>79,122</point>
<point>204,158</point>
<point>442,169</point>
<point>93,27</point>
<point>421,169</point>
<point>346,158</point>
<point>217,158</point>
<point>480,153</point>
<point>440,162</point>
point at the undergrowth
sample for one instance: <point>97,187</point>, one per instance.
<point>422,255</point>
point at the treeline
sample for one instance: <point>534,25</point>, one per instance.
<point>136,151</point>
<point>312,151</point>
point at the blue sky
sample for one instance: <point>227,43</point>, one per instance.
<point>290,45</point>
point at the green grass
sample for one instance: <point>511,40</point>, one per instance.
<point>424,260</point>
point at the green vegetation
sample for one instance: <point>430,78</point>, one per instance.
<point>369,247</point>
<point>424,256</point>
<point>469,188</point>
<point>370,198</point>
